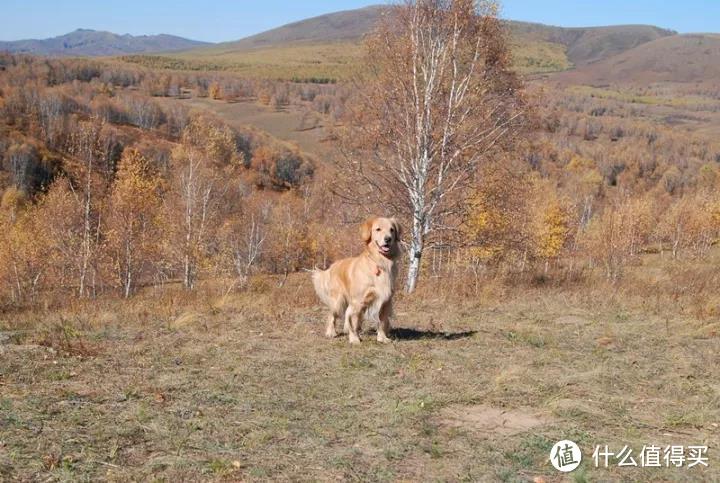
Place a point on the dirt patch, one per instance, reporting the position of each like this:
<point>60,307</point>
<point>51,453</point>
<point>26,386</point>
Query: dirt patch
<point>492,420</point>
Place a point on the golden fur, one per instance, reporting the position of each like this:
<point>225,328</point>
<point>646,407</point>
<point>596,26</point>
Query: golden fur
<point>361,287</point>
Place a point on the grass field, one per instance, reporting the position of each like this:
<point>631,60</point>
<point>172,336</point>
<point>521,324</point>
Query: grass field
<point>302,61</point>
<point>243,386</point>
<point>335,61</point>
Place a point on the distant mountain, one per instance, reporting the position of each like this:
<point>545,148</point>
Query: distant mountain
<point>84,42</point>
<point>331,27</point>
<point>678,58</point>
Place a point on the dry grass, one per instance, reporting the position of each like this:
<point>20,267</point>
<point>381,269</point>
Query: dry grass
<point>334,61</point>
<point>243,386</point>
<point>325,61</point>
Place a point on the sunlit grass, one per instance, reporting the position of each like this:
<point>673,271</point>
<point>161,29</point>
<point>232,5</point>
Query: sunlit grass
<point>329,61</point>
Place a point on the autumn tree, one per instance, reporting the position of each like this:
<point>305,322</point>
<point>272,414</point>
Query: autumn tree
<point>496,224</point>
<point>191,211</point>
<point>215,91</point>
<point>93,159</point>
<point>435,99</point>
<point>616,236</point>
<point>133,221</point>
<point>23,255</point>
<point>690,223</point>
<point>243,238</point>
<point>552,227</point>
<point>22,162</point>
<point>61,214</point>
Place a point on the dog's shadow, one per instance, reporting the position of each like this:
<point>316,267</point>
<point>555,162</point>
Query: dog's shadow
<point>402,333</point>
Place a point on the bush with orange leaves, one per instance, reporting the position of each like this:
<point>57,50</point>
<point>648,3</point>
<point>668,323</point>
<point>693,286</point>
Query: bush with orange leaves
<point>496,224</point>
<point>691,224</point>
<point>279,167</point>
<point>616,236</point>
<point>551,224</point>
<point>215,91</point>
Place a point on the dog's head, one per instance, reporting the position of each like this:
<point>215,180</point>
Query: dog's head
<point>382,235</point>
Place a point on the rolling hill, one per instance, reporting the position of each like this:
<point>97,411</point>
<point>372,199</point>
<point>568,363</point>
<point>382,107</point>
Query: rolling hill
<point>535,42</point>
<point>588,44</point>
<point>85,42</point>
<point>332,27</point>
<point>678,58</point>
<point>329,47</point>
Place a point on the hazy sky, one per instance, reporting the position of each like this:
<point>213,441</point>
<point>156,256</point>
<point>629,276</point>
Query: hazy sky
<point>222,20</point>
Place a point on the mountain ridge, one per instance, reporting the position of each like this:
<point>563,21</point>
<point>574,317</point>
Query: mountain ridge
<point>91,43</point>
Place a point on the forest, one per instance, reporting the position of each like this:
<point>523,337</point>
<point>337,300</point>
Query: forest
<point>110,185</point>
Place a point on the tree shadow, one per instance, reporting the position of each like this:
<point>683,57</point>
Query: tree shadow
<point>401,333</point>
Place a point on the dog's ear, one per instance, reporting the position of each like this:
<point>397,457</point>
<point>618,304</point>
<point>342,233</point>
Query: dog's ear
<point>398,228</point>
<point>366,230</point>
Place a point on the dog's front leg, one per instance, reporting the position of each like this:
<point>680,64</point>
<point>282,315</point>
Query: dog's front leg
<point>346,324</point>
<point>354,315</point>
<point>384,324</point>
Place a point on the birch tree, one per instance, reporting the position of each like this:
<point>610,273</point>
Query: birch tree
<point>87,146</point>
<point>191,208</point>
<point>436,97</point>
<point>133,221</point>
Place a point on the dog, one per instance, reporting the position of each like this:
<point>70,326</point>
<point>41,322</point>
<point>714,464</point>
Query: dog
<point>361,287</point>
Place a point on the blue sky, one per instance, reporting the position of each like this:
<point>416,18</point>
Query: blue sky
<point>222,20</point>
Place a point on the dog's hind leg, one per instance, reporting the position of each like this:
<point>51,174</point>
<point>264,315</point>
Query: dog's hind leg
<point>336,311</point>
<point>330,331</point>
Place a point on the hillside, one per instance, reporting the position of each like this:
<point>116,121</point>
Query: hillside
<point>588,44</point>
<point>678,58</point>
<point>538,48</point>
<point>332,27</point>
<point>84,42</point>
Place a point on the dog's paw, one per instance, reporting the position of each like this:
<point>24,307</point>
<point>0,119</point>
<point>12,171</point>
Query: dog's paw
<point>354,340</point>
<point>383,339</point>
<point>331,333</point>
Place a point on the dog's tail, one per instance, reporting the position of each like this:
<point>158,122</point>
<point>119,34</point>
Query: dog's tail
<point>321,282</point>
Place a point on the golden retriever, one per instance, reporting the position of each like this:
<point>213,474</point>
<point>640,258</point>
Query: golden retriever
<point>362,287</point>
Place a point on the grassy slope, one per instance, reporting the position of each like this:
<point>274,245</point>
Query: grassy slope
<point>680,58</point>
<point>335,60</point>
<point>328,47</point>
<point>245,387</point>
<point>539,49</point>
